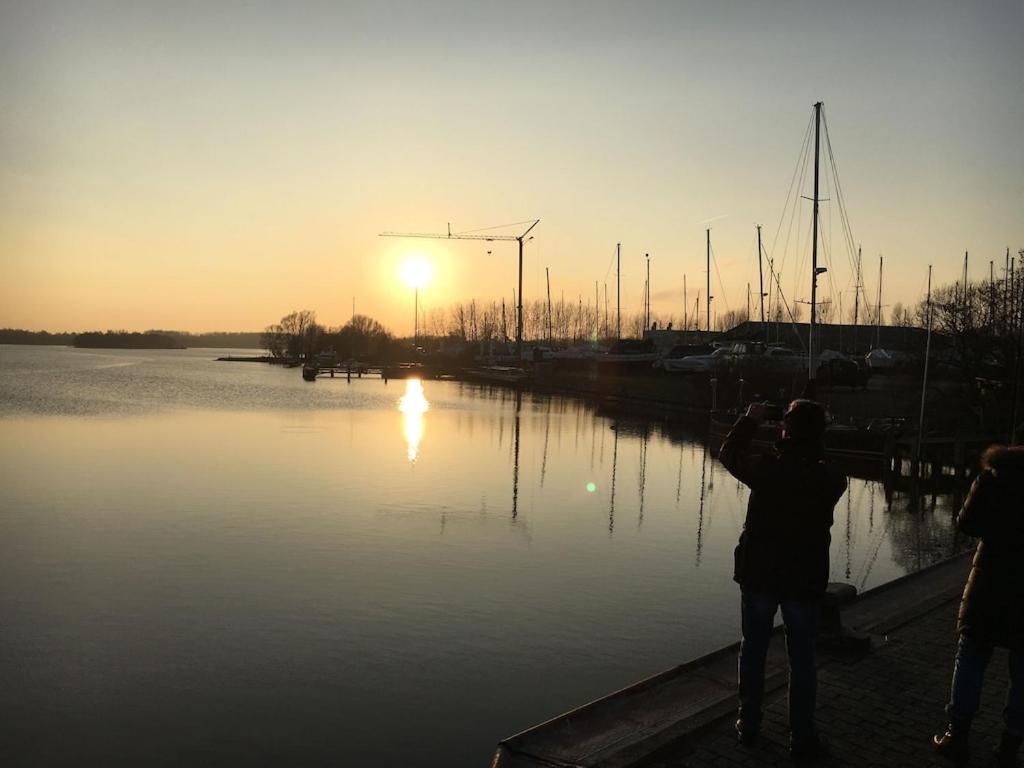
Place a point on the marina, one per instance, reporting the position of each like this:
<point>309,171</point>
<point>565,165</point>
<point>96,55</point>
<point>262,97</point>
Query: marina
<point>453,384</point>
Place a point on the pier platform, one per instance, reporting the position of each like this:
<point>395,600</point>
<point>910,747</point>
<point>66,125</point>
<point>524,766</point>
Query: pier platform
<point>876,707</point>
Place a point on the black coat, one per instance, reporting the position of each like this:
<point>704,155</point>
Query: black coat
<point>992,607</point>
<point>783,548</point>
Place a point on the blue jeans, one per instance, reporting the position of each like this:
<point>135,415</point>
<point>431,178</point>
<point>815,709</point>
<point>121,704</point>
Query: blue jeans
<point>801,620</point>
<point>972,656</point>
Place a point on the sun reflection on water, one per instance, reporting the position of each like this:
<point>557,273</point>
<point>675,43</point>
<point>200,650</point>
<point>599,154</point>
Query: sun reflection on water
<point>413,405</point>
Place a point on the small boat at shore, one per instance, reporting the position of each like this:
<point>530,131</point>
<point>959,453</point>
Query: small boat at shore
<point>629,356</point>
<point>630,351</point>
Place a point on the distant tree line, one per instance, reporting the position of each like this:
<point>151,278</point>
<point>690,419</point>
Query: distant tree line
<point>220,339</point>
<point>18,336</point>
<point>568,322</point>
<point>126,340</point>
<point>299,336</point>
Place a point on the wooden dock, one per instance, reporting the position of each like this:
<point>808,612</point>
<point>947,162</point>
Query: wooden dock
<point>358,371</point>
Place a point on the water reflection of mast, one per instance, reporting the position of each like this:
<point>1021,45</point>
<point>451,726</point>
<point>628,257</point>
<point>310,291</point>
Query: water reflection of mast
<point>871,510</point>
<point>515,461</point>
<point>918,501</point>
<point>849,512</point>
<point>875,546</point>
<point>700,511</point>
<point>643,476</point>
<point>615,462</point>
<point>593,444</point>
<point>576,447</point>
<point>547,432</point>
<point>679,474</point>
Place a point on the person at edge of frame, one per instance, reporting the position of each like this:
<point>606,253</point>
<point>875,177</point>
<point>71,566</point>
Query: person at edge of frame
<point>782,559</point>
<point>992,607</point>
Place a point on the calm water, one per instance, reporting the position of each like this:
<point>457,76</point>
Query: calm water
<point>219,563</point>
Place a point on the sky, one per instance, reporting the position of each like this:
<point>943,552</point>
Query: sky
<point>213,166</point>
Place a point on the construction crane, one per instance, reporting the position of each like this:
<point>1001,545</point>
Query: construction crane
<point>480,234</point>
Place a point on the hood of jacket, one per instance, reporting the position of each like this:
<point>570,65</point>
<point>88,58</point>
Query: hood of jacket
<point>1004,461</point>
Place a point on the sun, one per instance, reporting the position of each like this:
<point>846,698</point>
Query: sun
<point>416,272</point>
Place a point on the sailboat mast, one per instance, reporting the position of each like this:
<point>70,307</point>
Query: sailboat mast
<point>618,290</point>
<point>856,302</point>
<point>647,294</point>
<point>878,306</point>
<point>965,290</point>
<point>924,383</point>
<point>760,280</point>
<point>707,319</point>
<point>814,249</point>
<point>547,274</point>
<point>991,292</point>
<point>685,307</point>
<point>606,327</point>
<point>1006,291</point>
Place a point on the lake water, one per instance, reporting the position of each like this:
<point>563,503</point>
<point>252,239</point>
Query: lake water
<point>221,564</point>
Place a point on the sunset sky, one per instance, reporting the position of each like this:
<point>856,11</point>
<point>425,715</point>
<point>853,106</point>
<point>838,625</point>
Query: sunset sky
<point>215,165</point>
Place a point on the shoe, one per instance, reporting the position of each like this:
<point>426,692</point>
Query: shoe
<point>952,744</point>
<point>810,751</point>
<point>1006,752</point>
<point>746,733</point>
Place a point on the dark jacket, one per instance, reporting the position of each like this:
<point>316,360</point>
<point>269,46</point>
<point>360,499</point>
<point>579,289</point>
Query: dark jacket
<point>784,545</point>
<point>992,607</point>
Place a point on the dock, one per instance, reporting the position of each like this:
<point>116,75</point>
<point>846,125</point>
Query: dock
<point>877,705</point>
<point>359,370</point>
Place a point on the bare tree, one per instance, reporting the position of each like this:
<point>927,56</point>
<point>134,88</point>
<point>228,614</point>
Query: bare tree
<point>297,335</point>
<point>730,319</point>
<point>274,340</point>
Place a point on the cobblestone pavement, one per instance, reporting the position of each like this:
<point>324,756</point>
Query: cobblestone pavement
<point>878,709</point>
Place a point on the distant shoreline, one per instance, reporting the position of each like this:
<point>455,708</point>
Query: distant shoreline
<point>133,340</point>
<point>125,340</point>
<point>125,346</point>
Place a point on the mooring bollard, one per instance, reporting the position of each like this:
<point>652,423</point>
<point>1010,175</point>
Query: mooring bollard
<point>832,631</point>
